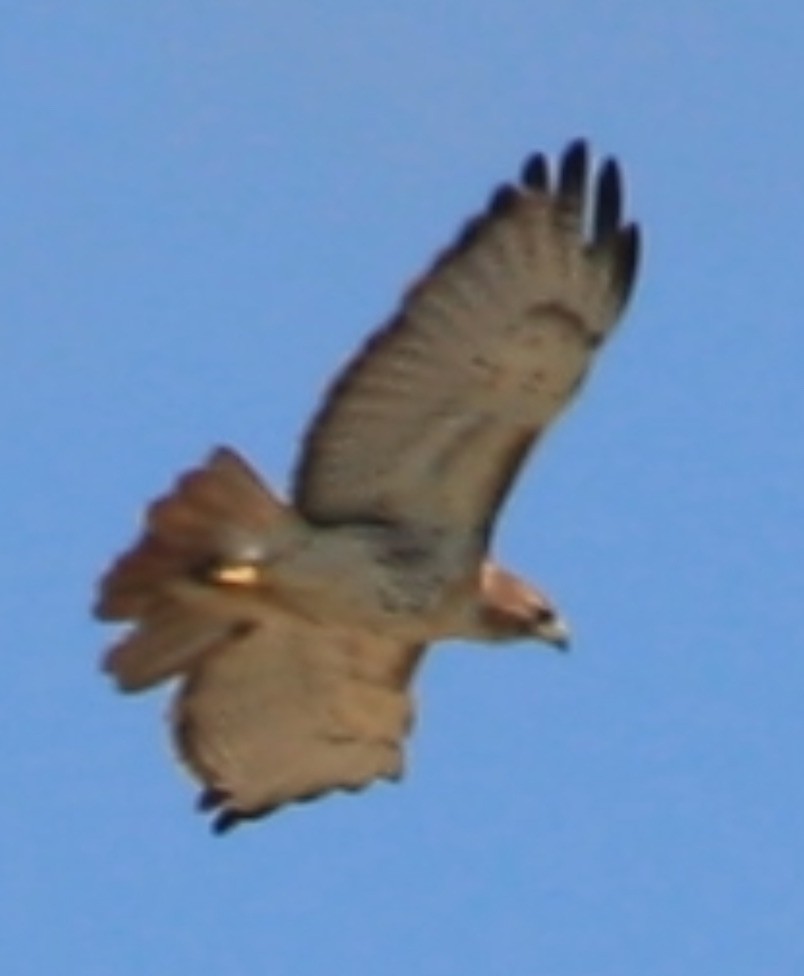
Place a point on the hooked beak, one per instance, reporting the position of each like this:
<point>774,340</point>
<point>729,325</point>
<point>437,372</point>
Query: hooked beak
<point>554,632</point>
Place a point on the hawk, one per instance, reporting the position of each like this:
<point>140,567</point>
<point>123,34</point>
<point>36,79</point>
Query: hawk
<point>294,628</point>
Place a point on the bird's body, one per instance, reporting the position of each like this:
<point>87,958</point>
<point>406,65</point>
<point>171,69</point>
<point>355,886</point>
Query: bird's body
<point>296,626</point>
<point>397,580</point>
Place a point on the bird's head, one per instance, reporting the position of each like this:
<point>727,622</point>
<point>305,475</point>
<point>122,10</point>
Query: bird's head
<point>510,608</point>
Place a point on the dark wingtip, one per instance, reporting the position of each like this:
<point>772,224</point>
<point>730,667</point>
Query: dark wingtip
<point>577,146</point>
<point>608,203</point>
<point>229,818</point>
<point>503,201</point>
<point>628,252</point>
<point>572,172</point>
<point>210,799</point>
<point>535,173</point>
<point>225,821</point>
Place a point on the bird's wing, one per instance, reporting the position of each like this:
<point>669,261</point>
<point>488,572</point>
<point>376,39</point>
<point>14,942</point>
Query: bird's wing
<point>272,707</point>
<point>287,711</point>
<point>433,418</point>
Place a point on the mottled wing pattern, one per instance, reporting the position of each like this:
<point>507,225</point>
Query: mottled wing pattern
<point>432,419</point>
<point>287,711</point>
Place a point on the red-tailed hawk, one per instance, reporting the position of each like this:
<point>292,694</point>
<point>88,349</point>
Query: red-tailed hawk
<point>294,629</point>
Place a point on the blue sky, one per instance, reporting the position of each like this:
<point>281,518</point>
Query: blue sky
<point>206,206</point>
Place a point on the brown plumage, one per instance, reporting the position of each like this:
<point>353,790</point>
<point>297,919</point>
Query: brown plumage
<point>295,628</point>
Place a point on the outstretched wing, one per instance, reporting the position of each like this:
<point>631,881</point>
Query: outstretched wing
<point>271,708</point>
<point>433,418</point>
<point>287,712</point>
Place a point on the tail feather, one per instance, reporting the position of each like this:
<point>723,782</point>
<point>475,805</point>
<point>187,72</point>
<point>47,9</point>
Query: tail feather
<point>217,512</point>
<point>172,635</point>
<point>224,492</point>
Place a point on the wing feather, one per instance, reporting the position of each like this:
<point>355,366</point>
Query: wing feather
<point>288,711</point>
<point>271,707</point>
<point>433,418</point>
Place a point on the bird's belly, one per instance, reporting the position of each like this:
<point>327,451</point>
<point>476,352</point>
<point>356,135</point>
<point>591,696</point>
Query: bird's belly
<point>381,579</point>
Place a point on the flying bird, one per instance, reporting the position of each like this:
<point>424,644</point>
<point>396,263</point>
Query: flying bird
<point>294,628</point>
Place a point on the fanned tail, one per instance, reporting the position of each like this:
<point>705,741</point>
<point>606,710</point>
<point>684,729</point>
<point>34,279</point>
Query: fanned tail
<point>217,514</point>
